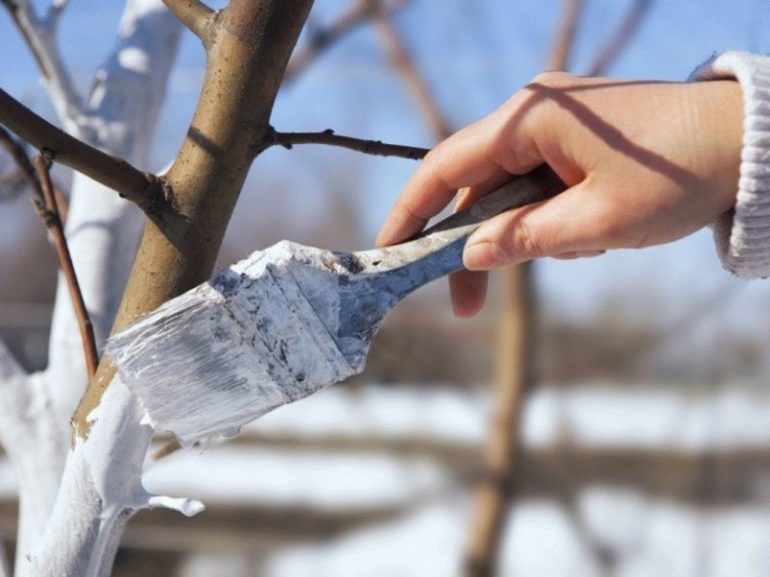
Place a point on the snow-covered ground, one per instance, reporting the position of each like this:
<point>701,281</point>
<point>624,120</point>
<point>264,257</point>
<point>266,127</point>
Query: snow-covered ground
<point>606,528</point>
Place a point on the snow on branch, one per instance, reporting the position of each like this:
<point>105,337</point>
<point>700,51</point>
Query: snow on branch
<point>144,189</point>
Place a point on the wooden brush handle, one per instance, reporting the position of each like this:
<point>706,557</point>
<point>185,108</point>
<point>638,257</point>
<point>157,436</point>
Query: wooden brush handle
<point>438,250</point>
<point>535,186</point>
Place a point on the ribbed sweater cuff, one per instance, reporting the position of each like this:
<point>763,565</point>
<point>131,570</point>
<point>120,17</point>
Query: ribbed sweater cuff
<point>742,235</point>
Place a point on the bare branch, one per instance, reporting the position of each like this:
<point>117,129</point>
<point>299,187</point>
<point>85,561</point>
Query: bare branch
<point>402,62</point>
<point>55,10</point>
<point>621,38</point>
<point>195,15</point>
<point>146,190</point>
<point>565,37</point>
<point>49,212</point>
<point>358,12</point>
<point>19,155</point>
<point>40,35</point>
<point>328,137</point>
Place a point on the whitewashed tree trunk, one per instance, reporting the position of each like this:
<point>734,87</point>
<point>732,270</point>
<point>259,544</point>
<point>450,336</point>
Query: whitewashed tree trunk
<point>70,523</point>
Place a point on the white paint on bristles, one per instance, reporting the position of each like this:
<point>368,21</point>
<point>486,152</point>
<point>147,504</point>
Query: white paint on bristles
<point>242,344</point>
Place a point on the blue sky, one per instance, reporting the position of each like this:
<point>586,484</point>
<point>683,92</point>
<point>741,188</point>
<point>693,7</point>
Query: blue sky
<point>474,54</point>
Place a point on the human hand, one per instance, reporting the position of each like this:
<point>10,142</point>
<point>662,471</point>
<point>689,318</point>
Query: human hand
<point>645,163</point>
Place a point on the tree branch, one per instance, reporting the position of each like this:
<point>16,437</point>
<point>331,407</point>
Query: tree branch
<point>328,137</point>
<point>41,35</point>
<point>565,37</point>
<point>146,190</point>
<point>49,212</point>
<point>195,16</point>
<point>55,10</point>
<point>358,12</point>
<point>402,62</point>
<point>620,39</point>
<point>19,155</point>
<point>251,44</point>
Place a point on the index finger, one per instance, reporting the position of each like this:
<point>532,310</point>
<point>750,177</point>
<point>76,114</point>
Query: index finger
<point>477,154</point>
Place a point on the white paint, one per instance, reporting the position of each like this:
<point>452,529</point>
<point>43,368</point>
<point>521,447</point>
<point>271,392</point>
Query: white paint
<point>65,520</point>
<point>256,340</point>
<point>100,490</point>
<point>134,59</point>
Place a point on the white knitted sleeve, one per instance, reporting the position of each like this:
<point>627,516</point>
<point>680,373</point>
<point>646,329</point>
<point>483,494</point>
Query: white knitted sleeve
<point>742,235</point>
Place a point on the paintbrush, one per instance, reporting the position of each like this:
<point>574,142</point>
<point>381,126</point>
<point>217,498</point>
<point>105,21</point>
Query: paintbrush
<point>286,321</point>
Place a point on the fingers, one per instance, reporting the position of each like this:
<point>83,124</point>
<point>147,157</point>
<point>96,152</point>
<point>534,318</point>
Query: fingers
<point>468,290</point>
<point>475,156</point>
<point>468,195</point>
<point>575,222</point>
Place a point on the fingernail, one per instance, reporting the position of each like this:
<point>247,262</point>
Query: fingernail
<point>483,256</point>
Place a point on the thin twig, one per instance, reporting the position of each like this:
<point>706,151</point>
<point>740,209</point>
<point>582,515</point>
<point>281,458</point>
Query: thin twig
<point>49,212</point>
<point>565,37</point>
<point>144,189</point>
<point>195,15</point>
<point>19,156</point>
<point>403,63</point>
<point>620,39</point>
<point>321,39</point>
<point>328,137</point>
<point>26,173</point>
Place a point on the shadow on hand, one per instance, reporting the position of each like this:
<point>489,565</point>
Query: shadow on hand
<point>610,134</point>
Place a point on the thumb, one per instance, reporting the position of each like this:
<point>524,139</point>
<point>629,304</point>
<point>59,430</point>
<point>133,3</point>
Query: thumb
<point>567,223</point>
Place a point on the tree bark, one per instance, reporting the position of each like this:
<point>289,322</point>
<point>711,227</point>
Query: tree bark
<point>514,375</point>
<point>249,47</point>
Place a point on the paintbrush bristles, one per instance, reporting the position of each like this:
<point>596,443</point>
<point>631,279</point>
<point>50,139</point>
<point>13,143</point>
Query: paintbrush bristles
<point>232,349</point>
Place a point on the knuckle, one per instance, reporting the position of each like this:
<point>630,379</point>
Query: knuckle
<point>522,242</point>
<point>552,79</point>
